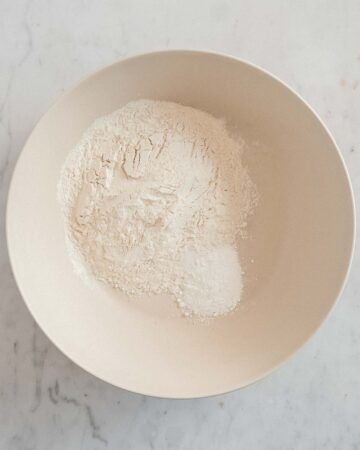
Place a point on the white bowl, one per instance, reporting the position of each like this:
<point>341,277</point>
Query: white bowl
<point>301,237</point>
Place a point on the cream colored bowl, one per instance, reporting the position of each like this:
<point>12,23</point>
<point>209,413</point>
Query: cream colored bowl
<point>296,257</point>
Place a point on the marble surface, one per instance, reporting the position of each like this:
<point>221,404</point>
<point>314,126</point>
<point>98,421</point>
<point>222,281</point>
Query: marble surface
<point>46,402</point>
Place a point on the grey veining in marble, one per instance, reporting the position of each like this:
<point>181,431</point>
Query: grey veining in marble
<point>46,402</point>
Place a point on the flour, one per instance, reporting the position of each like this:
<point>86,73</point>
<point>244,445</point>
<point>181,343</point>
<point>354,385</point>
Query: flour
<point>154,198</point>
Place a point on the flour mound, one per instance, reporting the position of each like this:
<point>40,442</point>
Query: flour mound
<point>154,198</point>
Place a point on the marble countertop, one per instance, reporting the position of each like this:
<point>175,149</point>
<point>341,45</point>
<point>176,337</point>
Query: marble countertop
<point>46,402</point>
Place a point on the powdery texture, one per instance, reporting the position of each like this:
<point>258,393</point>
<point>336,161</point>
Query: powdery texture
<point>154,197</point>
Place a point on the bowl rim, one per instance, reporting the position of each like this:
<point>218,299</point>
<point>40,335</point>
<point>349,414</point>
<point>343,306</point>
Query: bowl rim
<point>195,52</point>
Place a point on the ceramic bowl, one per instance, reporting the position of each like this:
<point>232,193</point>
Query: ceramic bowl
<point>295,258</point>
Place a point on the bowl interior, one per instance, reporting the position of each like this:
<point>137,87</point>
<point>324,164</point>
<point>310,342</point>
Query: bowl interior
<point>296,257</point>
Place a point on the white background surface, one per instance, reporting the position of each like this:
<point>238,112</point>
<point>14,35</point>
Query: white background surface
<point>46,402</point>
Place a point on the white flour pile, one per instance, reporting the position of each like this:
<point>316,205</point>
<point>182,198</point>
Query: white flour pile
<point>154,197</point>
